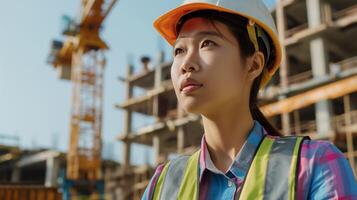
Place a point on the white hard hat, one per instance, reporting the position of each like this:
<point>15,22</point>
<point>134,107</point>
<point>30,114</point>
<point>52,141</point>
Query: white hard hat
<point>254,10</point>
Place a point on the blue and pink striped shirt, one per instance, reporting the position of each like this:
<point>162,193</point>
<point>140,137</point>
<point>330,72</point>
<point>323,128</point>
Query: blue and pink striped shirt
<point>323,171</point>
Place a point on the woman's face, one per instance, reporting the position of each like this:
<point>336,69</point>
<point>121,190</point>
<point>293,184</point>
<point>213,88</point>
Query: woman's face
<point>208,53</point>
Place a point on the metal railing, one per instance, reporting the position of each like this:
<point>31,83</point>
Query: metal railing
<point>310,127</point>
<point>300,77</point>
<point>339,123</point>
<point>20,192</point>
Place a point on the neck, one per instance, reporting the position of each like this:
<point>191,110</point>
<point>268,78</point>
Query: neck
<point>225,133</point>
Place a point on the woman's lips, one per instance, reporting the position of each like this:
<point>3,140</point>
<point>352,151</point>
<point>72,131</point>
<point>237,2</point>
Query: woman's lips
<point>190,88</point>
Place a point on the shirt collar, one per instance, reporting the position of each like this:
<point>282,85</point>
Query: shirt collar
<point>240,165</point>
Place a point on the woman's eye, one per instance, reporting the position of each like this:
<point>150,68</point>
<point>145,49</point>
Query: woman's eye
<point>178,51</point>
<point>207,43</point>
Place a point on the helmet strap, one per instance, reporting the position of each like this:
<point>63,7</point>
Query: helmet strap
<point>252,34</point>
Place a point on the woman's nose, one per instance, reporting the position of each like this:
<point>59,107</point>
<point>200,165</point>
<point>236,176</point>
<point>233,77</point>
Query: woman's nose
<point>187,68</point>
<point>189,65</point>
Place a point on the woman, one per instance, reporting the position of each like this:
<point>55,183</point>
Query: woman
<point>223,52</point>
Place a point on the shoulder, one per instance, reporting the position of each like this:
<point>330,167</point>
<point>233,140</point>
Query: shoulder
<point>149,191</point>
<point>324,171</point>
<point>318,146</point>
<point>319,153</point>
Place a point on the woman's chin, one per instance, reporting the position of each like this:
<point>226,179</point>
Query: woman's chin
<point>192,106</point>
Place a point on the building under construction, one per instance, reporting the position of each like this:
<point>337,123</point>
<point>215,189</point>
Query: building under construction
<point>35,174</point>
<point>314,92</point>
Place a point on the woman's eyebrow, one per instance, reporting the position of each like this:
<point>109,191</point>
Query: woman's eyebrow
<point>201,33</point>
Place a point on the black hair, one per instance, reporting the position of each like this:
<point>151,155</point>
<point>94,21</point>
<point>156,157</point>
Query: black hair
<point>237,25</point>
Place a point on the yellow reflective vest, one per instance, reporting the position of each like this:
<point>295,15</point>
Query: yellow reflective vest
<point>272,174</point>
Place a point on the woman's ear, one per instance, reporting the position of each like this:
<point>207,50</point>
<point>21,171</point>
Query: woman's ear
<point>255,65</point>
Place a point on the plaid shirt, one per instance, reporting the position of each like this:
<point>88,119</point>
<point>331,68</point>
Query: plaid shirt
<point>323,171</point>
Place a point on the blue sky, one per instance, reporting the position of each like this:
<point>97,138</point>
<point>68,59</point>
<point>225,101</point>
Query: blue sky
<point>34,103</point>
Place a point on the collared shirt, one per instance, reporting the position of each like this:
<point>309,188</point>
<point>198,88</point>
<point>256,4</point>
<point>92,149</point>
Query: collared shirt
<point>323,171</point>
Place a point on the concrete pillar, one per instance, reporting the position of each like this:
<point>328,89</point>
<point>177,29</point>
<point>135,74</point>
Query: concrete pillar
<point>283,72</point>
<point>157,83</point>
<point>128,119</point>
<point>319,63</point>
<point>161,57</point>
<point>160,156</point>
<point>349,135</point>
<point>52,170</point>
<point>15,175</point>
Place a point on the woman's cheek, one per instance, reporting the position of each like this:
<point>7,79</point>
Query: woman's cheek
<point>175,77</point>
<point>211,58</point>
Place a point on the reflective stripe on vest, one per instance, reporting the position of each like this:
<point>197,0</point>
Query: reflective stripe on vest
<point>272,174</point>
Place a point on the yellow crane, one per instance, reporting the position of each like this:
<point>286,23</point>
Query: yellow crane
<point>80,59</point>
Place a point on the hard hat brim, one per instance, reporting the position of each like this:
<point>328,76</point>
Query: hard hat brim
<point>166,26</point>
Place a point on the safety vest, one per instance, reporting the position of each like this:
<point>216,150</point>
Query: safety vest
<point>272,174</point>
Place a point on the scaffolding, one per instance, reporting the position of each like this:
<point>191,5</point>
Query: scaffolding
<point>314,92</point>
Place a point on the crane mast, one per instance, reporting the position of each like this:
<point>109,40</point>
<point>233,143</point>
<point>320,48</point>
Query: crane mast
<point>80,59</point>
